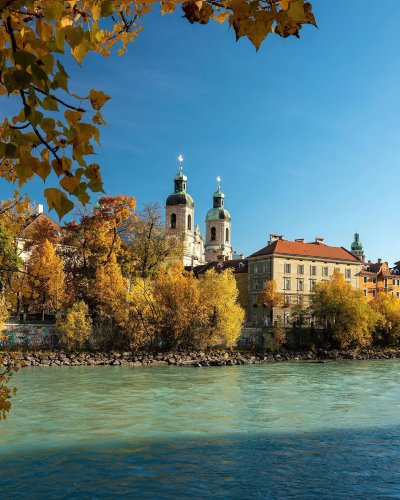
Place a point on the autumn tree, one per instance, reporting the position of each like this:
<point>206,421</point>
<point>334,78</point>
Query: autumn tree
<point>270,298</point>
<point>45,284</point>
<point>178,309</point>
<point>55,131</point>
<point>94,239</point>
<point>219,297</point>
<point>342,312</point>
<point>387,328</point>
<point>76,327</point>
<point>109,299</point>
<point>9,260</point>
<point>147,245</point>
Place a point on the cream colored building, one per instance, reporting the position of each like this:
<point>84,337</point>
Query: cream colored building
<point>296,267</point>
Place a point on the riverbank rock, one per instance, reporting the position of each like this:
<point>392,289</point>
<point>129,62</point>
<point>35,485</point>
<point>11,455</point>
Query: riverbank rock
<point>196,359</point>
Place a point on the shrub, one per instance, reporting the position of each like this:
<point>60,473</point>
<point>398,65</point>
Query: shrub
<point>76,327</point>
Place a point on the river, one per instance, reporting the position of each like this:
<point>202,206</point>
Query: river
<point>285,430</point>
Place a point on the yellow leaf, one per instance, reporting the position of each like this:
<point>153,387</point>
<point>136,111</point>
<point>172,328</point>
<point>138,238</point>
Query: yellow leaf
<point>58,201</point>
<point>69,183</point>
<point>98,98</point>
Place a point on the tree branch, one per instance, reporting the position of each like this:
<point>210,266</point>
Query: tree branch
<point>70,106</point>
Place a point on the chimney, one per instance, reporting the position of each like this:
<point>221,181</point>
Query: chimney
<point>39,209</point>
<point>369,262</point>
<point>274,237</point>
<point>299,240</point>
<point>318,239</point>
<point>379,261</point>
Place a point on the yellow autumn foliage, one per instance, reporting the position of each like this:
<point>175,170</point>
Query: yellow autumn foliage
<point>76,327</point>
<point>343,312</point>
<point>44,286</point>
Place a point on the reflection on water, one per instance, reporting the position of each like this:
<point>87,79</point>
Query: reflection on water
<point>275,431</point>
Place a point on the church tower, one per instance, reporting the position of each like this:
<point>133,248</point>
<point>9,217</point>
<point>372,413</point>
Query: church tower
<point>218,229</point>
<point>179,220</point>
<point>357,248</point>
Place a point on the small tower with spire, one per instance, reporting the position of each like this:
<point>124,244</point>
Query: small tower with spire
<point>179,218</point>
<point>218,229</point>
<point>357,248</point>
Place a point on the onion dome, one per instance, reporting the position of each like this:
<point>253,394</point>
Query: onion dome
<point>218,212</point>
<point>356,246</point>
<point>180,196</point>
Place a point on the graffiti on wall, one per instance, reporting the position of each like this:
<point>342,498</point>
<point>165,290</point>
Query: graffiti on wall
<point>28,335</point>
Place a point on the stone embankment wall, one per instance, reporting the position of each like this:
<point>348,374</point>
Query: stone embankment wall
<point>196,359</point>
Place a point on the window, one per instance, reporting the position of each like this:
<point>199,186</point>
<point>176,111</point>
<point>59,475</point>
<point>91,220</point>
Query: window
<point>313,270</point>
<point>398,282</point>
<point>373,293</point>
<point>300,269</point>
<point>386,283</point>
<point>373,280</point>
<point>300,285</point>
<point>287,284</point>
<point>189,222</point>
<point>312,284</point>
<point>348,273</point>
<point>325,271</point>
<point>226,235</point>
<point>365,279</point>
<point>265,268</point>
<point>300,299</point>
<point>213,234</point>
<point>173,221</point>
<point>288,268</point>
<point>365,293</point>
<point>256,284</point>
<point>393,282</point>
<point>398,295</point>
<point>255,269</point>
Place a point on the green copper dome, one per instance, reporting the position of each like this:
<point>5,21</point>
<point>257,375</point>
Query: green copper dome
<point>218,214</point>
<point>180,196</point>
<point>180,199</point>
<point>356,246</point>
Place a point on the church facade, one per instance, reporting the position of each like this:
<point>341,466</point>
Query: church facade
<point>180,223</point>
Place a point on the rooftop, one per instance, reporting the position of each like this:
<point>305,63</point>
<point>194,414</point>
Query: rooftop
<point>298,248</point>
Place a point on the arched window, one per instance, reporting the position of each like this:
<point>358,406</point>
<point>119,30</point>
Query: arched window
<point>173,221</point>
<point>213,234</point>
<point>189,222</point>
<point>227,235</point>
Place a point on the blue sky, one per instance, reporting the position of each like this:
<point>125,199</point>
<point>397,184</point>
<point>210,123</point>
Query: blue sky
<point>305,133</point>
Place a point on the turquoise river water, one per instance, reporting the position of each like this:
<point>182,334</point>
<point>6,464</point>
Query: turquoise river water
<point>263,431</point>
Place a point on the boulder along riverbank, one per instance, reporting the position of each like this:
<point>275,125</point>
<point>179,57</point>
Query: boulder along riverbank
<point>192,358</point>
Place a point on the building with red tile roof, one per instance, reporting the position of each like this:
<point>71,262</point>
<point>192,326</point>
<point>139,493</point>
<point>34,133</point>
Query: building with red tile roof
<point>296,266</point>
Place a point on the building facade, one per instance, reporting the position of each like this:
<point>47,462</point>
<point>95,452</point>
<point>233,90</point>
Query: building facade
<point>377,277</point>
<point>296,267</point>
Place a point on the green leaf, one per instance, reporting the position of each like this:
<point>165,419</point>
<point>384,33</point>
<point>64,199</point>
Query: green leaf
<point>58,201</point>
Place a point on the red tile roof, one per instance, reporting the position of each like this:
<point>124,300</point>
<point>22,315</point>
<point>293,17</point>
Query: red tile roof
<point>238,266</point>
<point>296,248</point>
